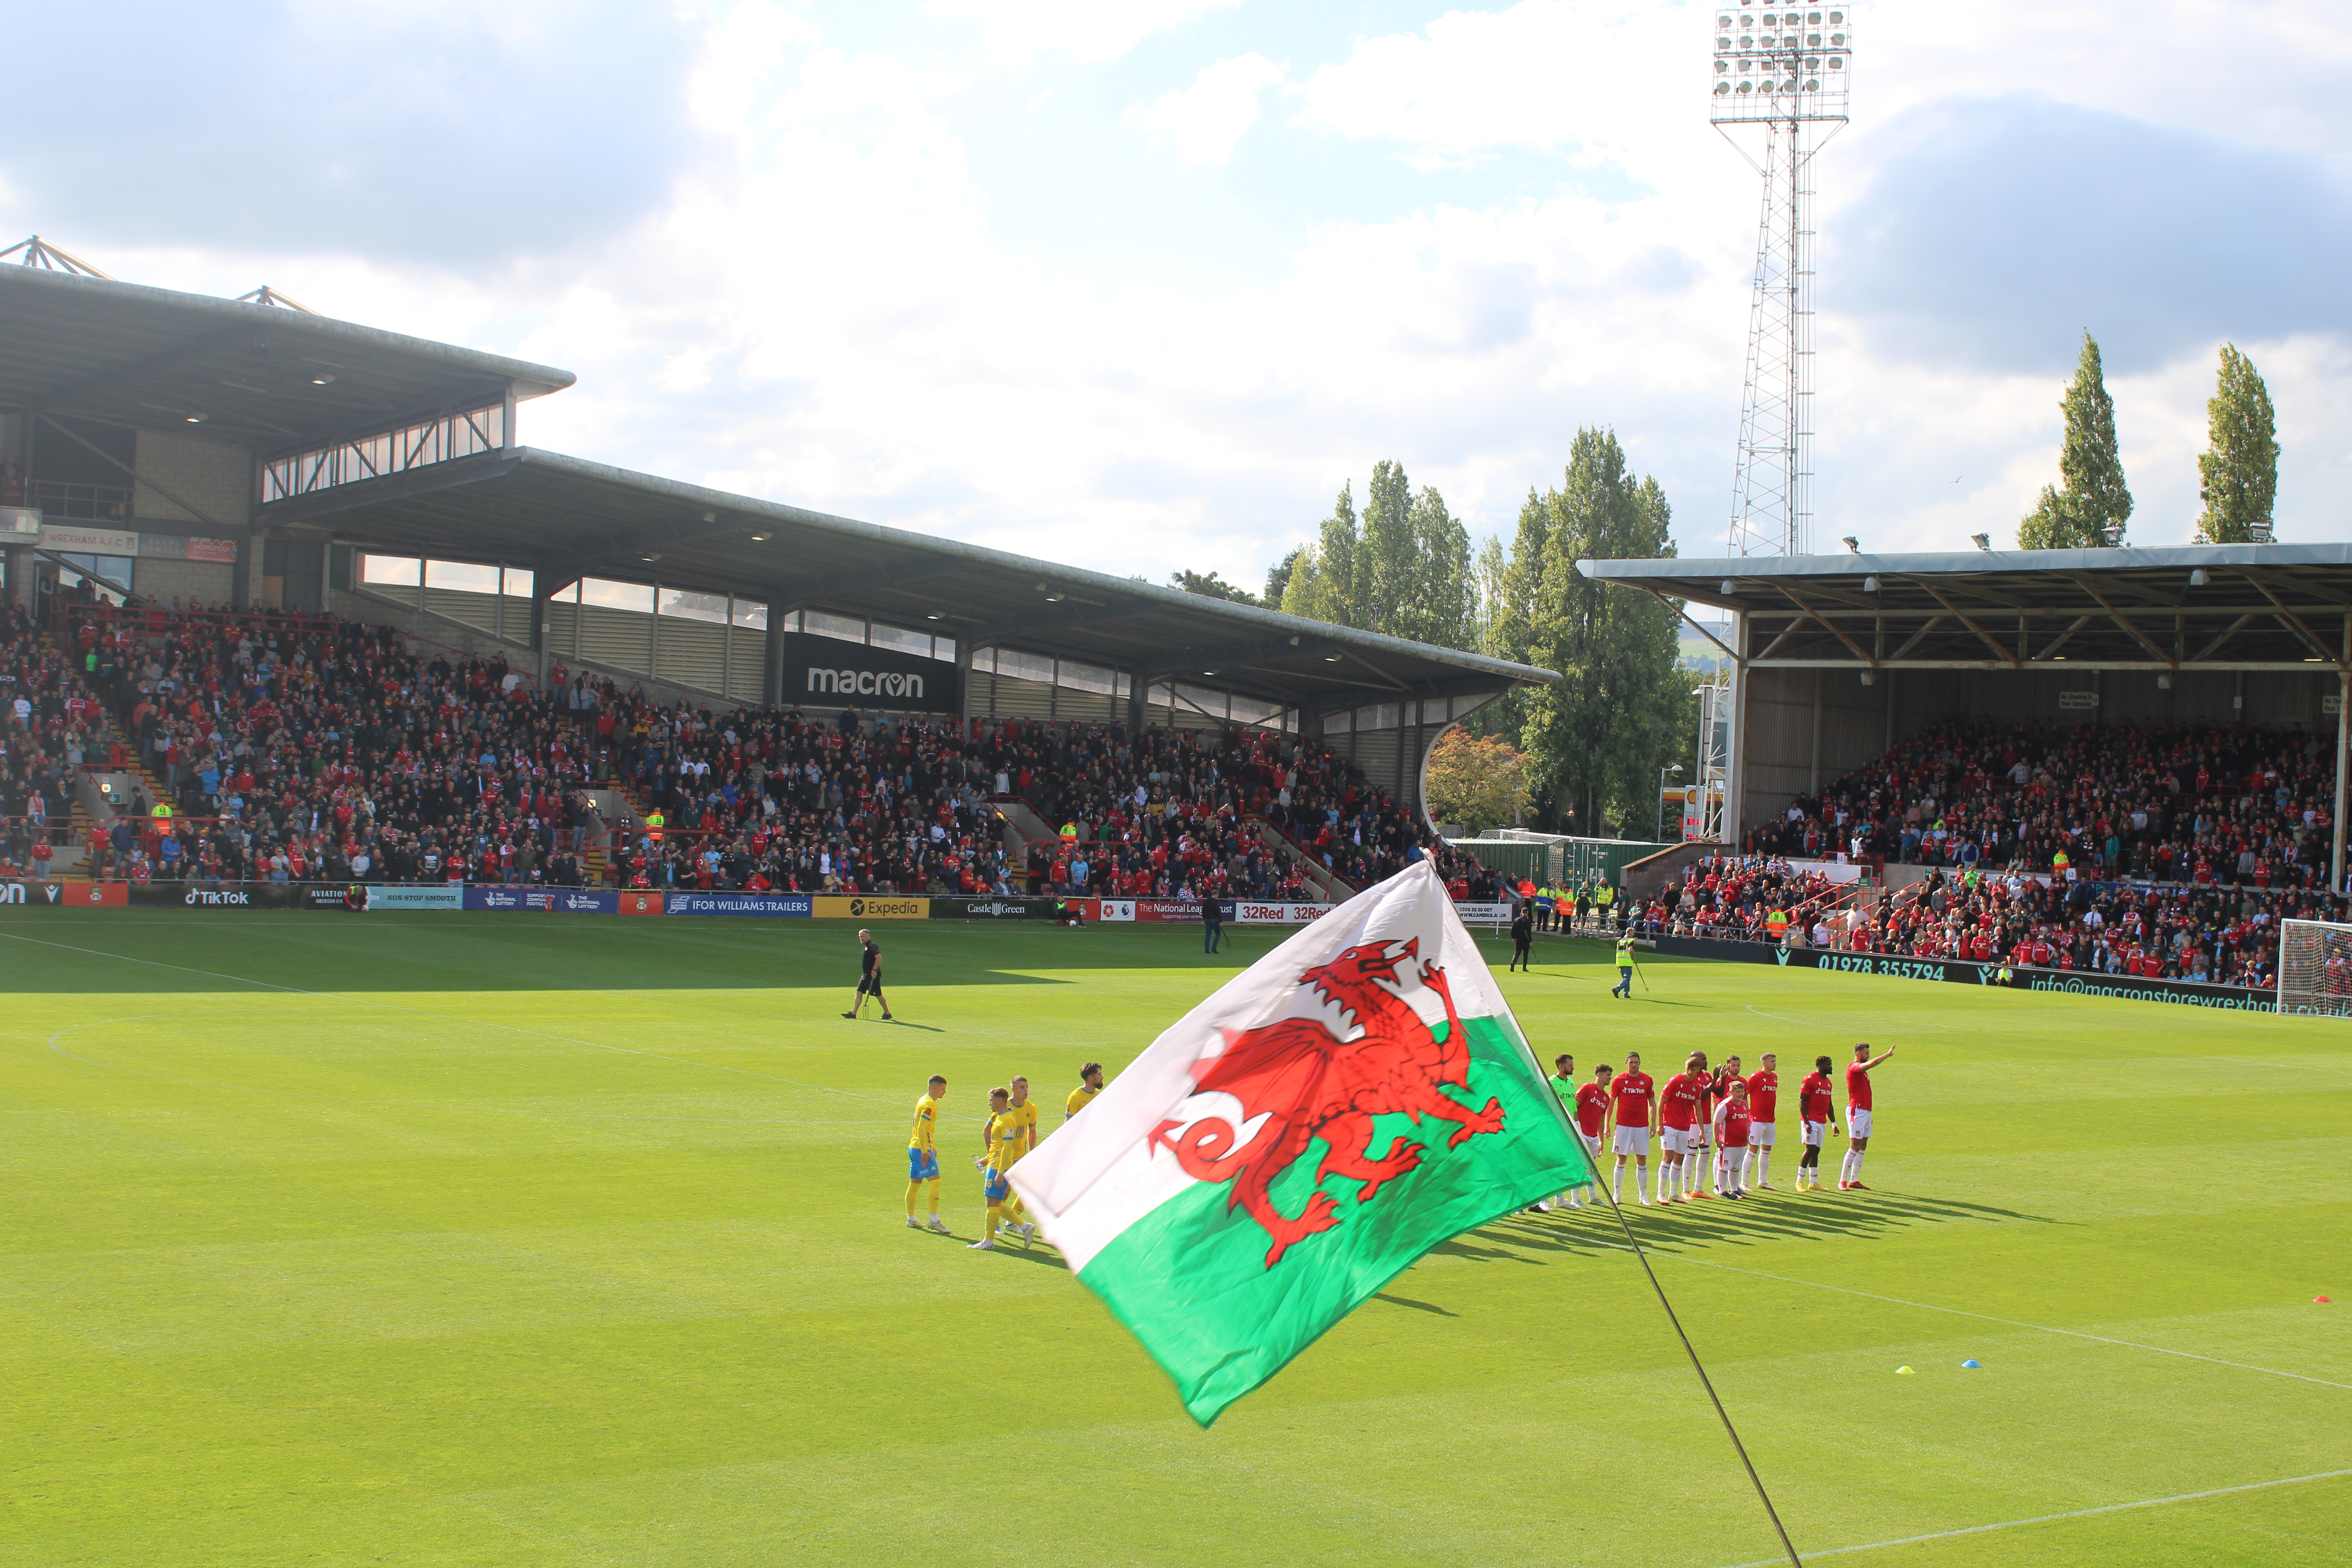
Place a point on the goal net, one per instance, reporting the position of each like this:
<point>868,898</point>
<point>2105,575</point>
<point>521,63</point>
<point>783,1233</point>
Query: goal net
<point>2314,971</point>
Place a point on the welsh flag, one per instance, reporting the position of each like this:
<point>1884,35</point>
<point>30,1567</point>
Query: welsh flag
<point>1356,1097</point>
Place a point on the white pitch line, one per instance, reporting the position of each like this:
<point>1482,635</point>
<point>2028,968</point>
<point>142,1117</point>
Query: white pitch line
<point>2050,1518</point>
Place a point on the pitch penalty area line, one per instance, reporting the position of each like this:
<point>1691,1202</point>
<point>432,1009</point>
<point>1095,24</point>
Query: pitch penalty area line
<point>2054,1518</point>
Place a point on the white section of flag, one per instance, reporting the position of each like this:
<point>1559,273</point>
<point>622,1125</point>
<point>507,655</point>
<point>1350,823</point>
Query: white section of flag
<point>1098,1173</point>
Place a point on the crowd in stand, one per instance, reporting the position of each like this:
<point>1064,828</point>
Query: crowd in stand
<point>2204,804</point>
<point>45,721</point>
<point>296,748</point>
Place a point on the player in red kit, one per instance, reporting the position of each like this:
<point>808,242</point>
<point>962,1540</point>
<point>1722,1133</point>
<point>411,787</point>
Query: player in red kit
<point>1633,1100</point>
<point>1857,1115</point>
<point>1732,1122</point>
<point>1678,1113</point>
<point>1817,1113</point>
<point>1763,1099</point>
<point>1710,1148</point>
<point>1591,1118</point>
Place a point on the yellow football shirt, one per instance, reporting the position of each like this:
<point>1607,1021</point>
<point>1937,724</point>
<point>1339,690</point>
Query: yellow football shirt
<point>1080,1097</point>
<point>1005,1141</point>
<point>927,1113</point>
<point>1026,1118</point>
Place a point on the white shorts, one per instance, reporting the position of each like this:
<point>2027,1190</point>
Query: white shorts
<point>1631,1140</point>
<point>1591,1140</point>
<point>1675,1140</point>
<point>1857,1123</point>
<point>1702,1135</point>
<point>1759,1135</point>
<point>1810,1131</point>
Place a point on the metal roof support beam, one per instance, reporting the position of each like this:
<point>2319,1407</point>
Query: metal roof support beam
<point>1683,612</point>
<point>2291,619</point>
<point>1916,638</point>
<point>1773,646</point>
<point>395,487</point>
<point>2117,617</point>
<point>1853,647</point>
<point>1982,635</point>
<point>2215,645</point>
<point>2060,640</point>
<point>2249,666</point>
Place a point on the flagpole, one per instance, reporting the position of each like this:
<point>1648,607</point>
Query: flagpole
<point>1618,1209</point>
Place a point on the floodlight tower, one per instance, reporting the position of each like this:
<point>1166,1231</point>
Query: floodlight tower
<point>1784,72</point>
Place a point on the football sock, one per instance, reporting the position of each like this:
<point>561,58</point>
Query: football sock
<point>935,1196</point>
<point>1763,1160</point>
<point>1671,1175</point>
<point>913,1188</point>
<point>995,1219</point>
<point>1845,1168</point>
<point>1856,1158</point>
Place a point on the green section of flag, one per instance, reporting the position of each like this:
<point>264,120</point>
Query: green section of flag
<point>1191,1281</point>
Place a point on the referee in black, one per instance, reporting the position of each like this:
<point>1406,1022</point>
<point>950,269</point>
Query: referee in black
<point>1523,935</point>
<point>869,977</point>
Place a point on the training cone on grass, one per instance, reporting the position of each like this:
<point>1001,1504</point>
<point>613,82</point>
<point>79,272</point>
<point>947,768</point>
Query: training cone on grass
<point>1904,1371</point>
<point>1971,1366</point>
<point>2319,1301</point>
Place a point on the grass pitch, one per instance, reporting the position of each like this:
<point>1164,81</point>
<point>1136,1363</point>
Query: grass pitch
<point>433,1240</point>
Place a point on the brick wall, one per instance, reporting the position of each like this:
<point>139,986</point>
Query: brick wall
<point>205,581</point>
<point>214,477</point>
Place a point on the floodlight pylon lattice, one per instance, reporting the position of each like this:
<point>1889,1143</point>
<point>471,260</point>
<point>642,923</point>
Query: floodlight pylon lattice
<point>1785,73</point>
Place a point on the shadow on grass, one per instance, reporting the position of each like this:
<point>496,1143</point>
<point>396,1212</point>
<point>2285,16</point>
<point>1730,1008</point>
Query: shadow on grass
<point>1710,1224</point>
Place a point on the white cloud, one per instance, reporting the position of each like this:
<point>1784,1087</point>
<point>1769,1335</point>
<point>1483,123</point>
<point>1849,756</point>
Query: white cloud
<point>1202,123</point>
<point>1091,32</point>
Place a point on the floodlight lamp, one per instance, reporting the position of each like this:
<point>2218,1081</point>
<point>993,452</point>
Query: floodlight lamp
<point>1870,678</point>
<point>1853,544</point>
<point>2163,683</point>
<point>650,557</point>
<point>1729,586</point>
<point>2198,579</point>
<point>1675,769</point>
<point>1812,84</point>
<point>194,416</point>
<point>759,538</point>
<point>322,379</point>
<point>1981,541</point>
<point>1870,584</point>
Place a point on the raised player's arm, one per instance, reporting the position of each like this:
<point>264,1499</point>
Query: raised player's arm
<point>1878,1058</point>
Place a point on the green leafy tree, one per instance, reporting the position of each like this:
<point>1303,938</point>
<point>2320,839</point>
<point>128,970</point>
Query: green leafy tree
<point>2238,475</point>
<point>1277,578</point>
<point>2092,503</point>
<point>1596,740</point>
<point>1404,568</point>
<point>1476,781</point>
<point>1209,586</point>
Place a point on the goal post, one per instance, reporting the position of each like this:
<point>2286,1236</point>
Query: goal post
<point>2314,968</point>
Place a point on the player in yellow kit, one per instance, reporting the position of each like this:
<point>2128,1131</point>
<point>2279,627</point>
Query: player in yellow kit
<point>1089,1085</point>
<point>1006,1142</point>
<point>923,1155</point>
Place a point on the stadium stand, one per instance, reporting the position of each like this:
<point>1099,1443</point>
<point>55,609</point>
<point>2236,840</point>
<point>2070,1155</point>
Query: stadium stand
<point>292,747</point>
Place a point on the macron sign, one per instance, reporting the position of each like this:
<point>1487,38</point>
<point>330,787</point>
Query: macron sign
<point>821,671</point>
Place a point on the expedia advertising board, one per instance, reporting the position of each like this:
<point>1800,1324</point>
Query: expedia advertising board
<point>828,673</point>
<point>872,907</point>
<point>791,906</point>
<point>1967,972</point>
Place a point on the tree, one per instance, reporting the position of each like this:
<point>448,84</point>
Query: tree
<point>1595,741</point>
<point>2092,503</point>
<point>1476,781</point>
<point>1404,569</point>
<point>1209,586</point>
<point>2238,475</point>
<point>1277,578</point>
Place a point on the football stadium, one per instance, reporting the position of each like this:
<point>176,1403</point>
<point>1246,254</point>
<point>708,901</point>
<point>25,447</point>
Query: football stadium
<point>481,927</point>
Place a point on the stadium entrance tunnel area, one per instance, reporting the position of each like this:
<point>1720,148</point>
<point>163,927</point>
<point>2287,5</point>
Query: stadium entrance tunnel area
<point>534,1241</point>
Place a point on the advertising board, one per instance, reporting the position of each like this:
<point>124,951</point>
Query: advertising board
<point>870,907</point>
<point>1968,971</point>
<point>636,902</point>
<point>995,909</point>
<point>429,896</point>
<point>35,894</point>
<point>795,906</point>
<point>821,672</point>
<point>522,900</point>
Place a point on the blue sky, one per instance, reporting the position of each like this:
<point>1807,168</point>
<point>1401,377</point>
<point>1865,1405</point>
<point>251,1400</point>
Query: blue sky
<point>1139,284</point>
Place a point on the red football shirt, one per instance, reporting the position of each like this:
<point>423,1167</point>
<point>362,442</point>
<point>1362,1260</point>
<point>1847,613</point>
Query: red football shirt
<point>1731,1125</point>
<point>1813,1102</point>
<point>1857,1086</point>
<point>1679,1108</point>
<point>1592,1107</point>
<point>1632,1093</point>
<point>1763,1094</point>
